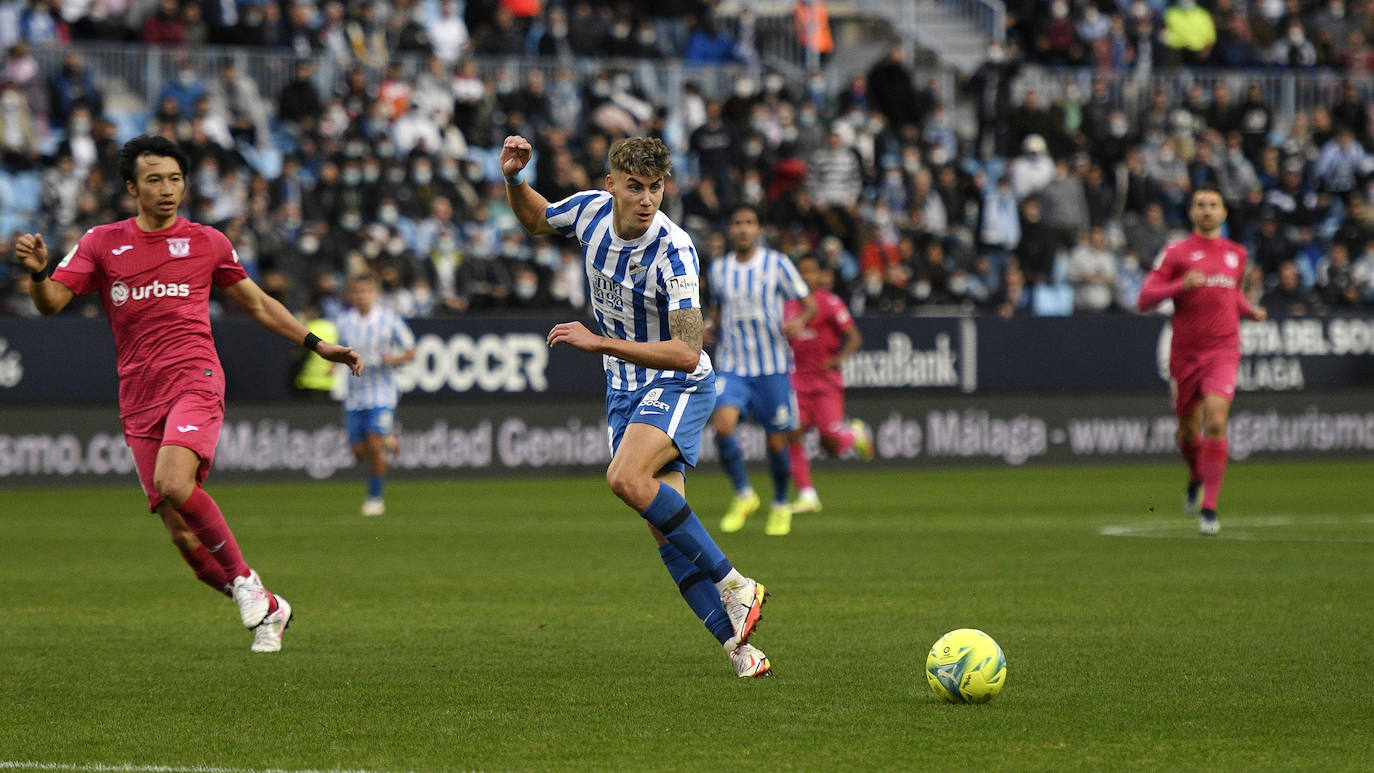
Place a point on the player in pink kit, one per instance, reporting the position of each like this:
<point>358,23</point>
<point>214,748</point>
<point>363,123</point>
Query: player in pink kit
<point>1202,275</point>
<point>818,351</point>
<point>154,273</point>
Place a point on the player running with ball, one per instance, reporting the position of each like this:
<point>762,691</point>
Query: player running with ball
<point>154,272</point>
<point>644,279</point>
<point>1202,273</point>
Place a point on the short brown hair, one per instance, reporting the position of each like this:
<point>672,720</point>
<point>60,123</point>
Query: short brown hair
<point>641,157</point>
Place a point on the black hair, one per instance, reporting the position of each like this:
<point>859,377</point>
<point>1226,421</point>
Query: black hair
<point>150,145</point>
<point>746,207</point>
<point>1206,187</point>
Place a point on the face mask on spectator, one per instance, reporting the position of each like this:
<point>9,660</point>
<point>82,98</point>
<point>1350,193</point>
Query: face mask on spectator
<point>351,222</point>
<point>423,175</point>
<point>388,214</point>
<point>396,175</point>
<point>352,177</point>
<point>474,173</point>
<point>396,245</point>
<point>309,244</point>
<point>80,126</point>
<point>371,250</point>
<point>449,172</point>
<point>525,288</point>
<point>186,77</point>
<point>372,174</point>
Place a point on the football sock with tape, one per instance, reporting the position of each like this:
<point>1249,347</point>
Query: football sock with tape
<point>732,458</point>
<point>699,593</point>
<point>207,523</point>
<point>801,466</point>
<point>671,515</point>
<point>207,569</point>
<point>1212,465</point>
<point>780,470</point>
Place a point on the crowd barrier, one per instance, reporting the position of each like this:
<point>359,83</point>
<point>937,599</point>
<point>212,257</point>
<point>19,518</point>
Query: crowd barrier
<point>69,360</point>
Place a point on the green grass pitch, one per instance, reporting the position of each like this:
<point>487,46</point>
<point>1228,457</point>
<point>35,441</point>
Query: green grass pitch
<point>527,624</point>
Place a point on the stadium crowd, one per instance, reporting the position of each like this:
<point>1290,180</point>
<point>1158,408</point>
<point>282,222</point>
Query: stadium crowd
<point>1048,208</point>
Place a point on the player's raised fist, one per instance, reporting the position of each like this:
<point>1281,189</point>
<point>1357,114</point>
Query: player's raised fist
<point>515,153</point>
<point>31,252</point>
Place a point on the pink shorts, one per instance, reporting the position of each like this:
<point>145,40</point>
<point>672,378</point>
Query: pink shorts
<point>192,420</point>
<point>1191,380</point>
<point>822,409</point>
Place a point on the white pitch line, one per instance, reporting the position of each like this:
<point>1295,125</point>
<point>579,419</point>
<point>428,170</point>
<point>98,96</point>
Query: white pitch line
<point>1180,528</point>
<point>97,767</point>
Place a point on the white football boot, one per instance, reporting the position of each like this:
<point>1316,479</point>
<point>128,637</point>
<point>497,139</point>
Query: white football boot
<point>749,661</point>
<point>267,636</point>
<point>251,598</point>
<point>373,506</point>
<point>744,604</point>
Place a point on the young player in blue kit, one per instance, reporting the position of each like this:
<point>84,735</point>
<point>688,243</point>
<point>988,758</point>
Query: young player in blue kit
<point>643,276</point>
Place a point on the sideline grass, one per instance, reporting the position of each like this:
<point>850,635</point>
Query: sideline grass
<point>527,624</point>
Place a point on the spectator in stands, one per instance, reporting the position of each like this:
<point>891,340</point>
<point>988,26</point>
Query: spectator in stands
<point>1091,269</point>
<point>1335,281</point>
<point>1287,297</point>
<point>448,34</point>
<point>1038,247</point>
<point>18,130</point>
<point>811,20</point>
<point>833,172</point>
<point>1189,32</point>
<point>165,26</point>
<point>1343,162</point>
<point>1031,171</point>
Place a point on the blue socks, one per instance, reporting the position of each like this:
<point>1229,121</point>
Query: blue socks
<point>733,458</point>
<point>699,594</point>
<point>374,486</point>
<point>780,468</point>
<point>670,514</point>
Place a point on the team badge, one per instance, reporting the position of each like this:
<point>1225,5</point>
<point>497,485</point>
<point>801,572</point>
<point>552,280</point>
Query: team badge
<point>1199,255</point>
<point>1232,260</point>
<point>179,248</point>
<point>119,293</point>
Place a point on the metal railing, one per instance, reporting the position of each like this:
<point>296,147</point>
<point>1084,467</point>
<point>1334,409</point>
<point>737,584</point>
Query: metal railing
<point>1287,93</point>
<point>138,73</point>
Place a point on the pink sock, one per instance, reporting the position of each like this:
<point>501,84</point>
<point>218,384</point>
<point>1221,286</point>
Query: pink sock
<point>1190,449</point>
<point>1212,465</point>
<point>801,466</point>
<point>207,569</point>
<point>205,519</point>
<point>845,439</point>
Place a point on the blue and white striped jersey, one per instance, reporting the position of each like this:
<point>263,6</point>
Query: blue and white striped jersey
<point>382,331</point>
<point>751,295</point>
<point>632,284</point>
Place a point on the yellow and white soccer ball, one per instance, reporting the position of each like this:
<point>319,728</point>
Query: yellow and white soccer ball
<point>966,666</point>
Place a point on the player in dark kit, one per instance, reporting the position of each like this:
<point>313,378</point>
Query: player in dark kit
<point>1202,275</point>
<point>154,272</point>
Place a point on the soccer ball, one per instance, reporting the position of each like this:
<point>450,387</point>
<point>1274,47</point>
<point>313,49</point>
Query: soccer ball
<point>966,666</point>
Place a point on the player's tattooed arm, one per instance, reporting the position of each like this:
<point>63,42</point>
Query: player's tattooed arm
<point>685,325</point>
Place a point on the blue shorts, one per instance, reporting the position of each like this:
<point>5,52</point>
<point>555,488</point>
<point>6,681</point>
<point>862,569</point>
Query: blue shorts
<point>769,400</point>
<point>368,421</point>
<point>679,408</point>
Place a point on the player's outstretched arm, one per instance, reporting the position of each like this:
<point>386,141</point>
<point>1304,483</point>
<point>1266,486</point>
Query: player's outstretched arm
<point>681,352</point>
<point>525,202</point>
<point>269,313</point>
<point>49,297</point>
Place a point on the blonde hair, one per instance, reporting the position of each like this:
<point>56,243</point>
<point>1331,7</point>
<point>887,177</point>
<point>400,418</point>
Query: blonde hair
<point>641,157</point>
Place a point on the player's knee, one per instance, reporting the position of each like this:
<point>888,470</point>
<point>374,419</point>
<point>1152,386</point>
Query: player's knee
<point>175,490</point>
<point>631,488</point>
<point>1214,430</point>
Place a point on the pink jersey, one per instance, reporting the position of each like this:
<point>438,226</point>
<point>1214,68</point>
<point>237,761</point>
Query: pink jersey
<point>820,340</point>
<point>1206,319</point>
<point>155,286</point>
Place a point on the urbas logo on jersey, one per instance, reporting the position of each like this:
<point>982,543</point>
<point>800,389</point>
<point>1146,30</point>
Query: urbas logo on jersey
<point>121,293</point>
<point>1220,280</point>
